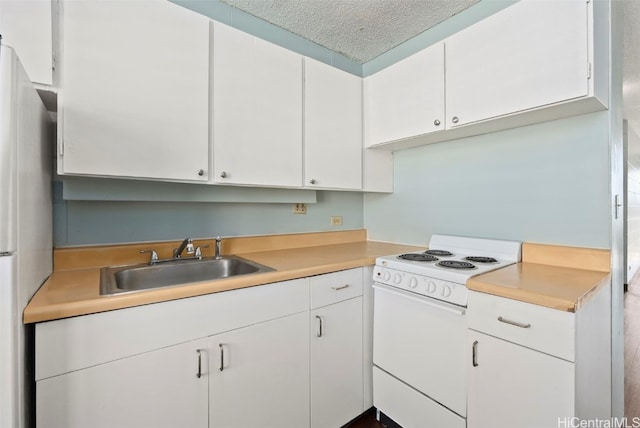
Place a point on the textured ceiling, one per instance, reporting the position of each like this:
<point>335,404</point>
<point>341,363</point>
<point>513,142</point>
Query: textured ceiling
<point>359,29</point>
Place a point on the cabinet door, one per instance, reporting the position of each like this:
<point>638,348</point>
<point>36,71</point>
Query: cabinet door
<point>156,389</point>
<point>406,99</point>
<point>134,90</point>
<point>529,55</point>
<point>260,375</point>
<point>336,364</point>
<point>26,27</point>
<point>257,110</point>
<point>513,386</point>
<point>332,127</point>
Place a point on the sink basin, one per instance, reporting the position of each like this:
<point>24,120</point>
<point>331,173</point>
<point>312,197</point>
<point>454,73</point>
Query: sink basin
<point>125,279</point>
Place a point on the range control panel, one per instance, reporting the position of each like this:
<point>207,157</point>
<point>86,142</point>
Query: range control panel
<point>431,287</point>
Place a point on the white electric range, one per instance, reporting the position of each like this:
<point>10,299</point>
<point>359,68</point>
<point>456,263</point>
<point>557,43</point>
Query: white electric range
<point>420,350</point>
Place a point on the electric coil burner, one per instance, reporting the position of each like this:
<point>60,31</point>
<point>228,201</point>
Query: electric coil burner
<point>421,257</point>
<point>456,264</point>
<point>479,259</point>
<point>438,253</point>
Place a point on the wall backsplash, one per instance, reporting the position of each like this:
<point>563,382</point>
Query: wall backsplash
<point>106,222</point>
<point>544,183</point>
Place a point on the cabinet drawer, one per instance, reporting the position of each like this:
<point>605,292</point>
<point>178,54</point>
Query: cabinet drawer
<point>547,330</point>
<point>335,287</point>
<point>407,406</point>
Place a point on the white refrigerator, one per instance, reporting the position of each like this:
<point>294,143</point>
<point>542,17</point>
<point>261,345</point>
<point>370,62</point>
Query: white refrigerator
<point>25,226</point>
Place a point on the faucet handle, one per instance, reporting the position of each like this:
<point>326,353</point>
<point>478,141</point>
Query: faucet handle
<point>198,252</point>
<point>189,248</point>
<point>154,255</point>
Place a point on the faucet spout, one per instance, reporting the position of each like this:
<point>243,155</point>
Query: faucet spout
<point>187,245</point>
<point>218,249</point>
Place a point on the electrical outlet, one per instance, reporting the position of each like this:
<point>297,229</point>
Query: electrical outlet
<point>336,220</point>
<point>299,208</point>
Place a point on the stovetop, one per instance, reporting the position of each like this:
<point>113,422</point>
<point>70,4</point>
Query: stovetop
<point>442,271</point>
<point>457,267</point>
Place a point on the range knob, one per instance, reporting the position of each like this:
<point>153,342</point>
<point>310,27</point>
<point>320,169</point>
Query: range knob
<point>431,287</point>
<point>397,279</point>
<point>413,282</point>
<point>386,276</point>
<point>446,291</point>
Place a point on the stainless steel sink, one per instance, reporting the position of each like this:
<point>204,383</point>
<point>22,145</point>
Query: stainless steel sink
<point>125,279</point>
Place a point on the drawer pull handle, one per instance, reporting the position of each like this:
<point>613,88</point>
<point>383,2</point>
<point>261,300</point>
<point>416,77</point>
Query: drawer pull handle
<point>319,331</point>
<point>340,288</point>
<point>199,374</point>
<point>517,324</point>
<point>474,356</point>
<point>221,356</point>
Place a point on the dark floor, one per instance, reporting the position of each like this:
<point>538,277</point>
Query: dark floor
<point>367,420</point>
<point>632,350</point>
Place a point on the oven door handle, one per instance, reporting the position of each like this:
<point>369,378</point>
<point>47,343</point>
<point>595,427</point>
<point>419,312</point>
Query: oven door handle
<point>417,298</point>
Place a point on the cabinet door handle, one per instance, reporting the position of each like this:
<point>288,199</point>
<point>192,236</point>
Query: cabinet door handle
<point>221,356</point>
<point>199,374</point>
<point>342,287</point>
<point>474,355</point>
<point>516,323</point>
<point>319,330</point>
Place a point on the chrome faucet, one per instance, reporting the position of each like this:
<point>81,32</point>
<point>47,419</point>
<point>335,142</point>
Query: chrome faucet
<point>187,245</point>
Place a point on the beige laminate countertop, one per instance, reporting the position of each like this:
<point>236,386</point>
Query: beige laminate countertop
<point>75,292</point>
<point>556,277</point>
<point>553,276</point>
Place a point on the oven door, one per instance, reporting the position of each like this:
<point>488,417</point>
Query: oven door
<point>421,342</point>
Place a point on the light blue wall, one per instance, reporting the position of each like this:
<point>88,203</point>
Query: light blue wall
<point>106,222</point>
<point>544,183</point>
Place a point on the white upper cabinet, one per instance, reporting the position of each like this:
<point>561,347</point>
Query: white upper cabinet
<point>134,90</point>
<point>529,55</point>
<point>26,27</point>
<point>407,98</point>
<point>531,62</point>
<point>332,127</point>
<point>257,111</point>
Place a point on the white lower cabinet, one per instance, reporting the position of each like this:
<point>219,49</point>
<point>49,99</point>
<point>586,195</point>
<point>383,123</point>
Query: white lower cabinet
<point>336,348</point>
<point>259,375</point>
<point>240,358</point>
<point>336,364</point>
<point>531,366</point>
<point>156,389</point>
<point>513,386</point>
